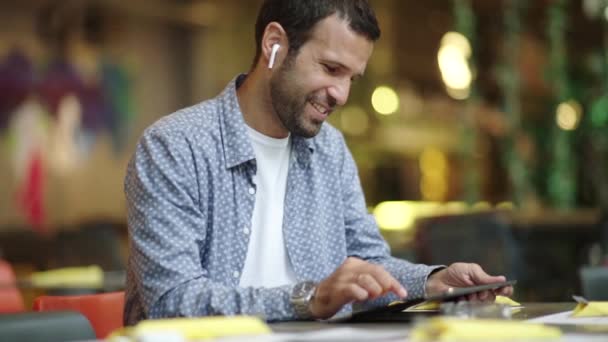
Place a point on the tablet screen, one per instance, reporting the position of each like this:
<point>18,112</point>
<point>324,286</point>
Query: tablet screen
<point>442,297</point>
<point>463,291</point>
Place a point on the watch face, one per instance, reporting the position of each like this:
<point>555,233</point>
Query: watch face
<point>301,296</point>
<point>304,290</point>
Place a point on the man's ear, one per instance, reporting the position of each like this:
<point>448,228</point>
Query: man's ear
<point>274,42</point>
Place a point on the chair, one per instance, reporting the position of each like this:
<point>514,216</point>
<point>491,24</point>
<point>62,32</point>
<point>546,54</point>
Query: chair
<point>483,238</point>
<point>91,243</point>
<point>11,300</point>
<point>57,326</point>
<point>594,282</point>
<point>104,310</point>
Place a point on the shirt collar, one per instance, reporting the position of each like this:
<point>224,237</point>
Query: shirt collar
<point>236,144</point>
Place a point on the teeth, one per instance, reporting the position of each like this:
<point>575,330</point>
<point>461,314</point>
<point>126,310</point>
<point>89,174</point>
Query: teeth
<point>318,107</point>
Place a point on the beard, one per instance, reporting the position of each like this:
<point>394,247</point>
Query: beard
<point>289,101</point>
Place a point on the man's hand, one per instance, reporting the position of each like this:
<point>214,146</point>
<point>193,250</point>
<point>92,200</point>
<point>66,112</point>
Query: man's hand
<point>354,281</point>
<point>464,275</point>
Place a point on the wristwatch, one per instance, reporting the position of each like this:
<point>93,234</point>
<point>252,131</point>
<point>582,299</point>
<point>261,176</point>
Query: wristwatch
<point>301,296</point>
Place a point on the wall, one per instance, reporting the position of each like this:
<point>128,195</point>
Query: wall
<point>94,188</point>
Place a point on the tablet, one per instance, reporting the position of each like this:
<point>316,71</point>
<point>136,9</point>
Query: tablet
<point>394,312</point>
<point>463,291</point>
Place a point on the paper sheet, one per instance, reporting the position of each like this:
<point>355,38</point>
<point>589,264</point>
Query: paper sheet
<point>343,334</point>
<point>356,334</point>
<point>567,319</point>
<point>583,338</point>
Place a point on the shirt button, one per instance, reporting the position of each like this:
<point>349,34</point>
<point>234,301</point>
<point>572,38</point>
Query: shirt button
<point>235,274</point>
<point>252,191</point>
<point>246,231</point>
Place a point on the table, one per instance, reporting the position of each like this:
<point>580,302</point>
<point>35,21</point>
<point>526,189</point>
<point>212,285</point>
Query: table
<point>530,310</point>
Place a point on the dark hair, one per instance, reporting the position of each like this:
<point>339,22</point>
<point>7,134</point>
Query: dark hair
<point>298,17</point>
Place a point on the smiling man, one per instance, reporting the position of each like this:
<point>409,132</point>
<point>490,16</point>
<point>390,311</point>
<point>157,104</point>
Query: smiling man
<point>249,203</point>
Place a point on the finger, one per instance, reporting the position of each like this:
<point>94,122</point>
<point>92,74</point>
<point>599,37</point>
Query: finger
<point>479,276</point>
<point>458,274</point>
<point>473,297</point>
<point>368,283</point>
<point>396,288</point>
<point>354,292</point>
<point>352,262</point>
<point>506,291</point>
<point>387,281</point>
<point>486,296</point>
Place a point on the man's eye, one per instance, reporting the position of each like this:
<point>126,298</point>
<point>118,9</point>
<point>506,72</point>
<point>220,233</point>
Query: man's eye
<point>330,69</point>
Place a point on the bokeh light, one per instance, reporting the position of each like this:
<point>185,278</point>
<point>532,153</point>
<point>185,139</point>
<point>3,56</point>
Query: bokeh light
<point>385,100</point>
<point>453,55</point>
<point>568,115</point>
<point>434,174</point>
<point>354,120</point>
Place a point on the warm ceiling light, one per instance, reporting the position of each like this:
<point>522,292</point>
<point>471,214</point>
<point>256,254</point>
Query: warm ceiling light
<point>452,57</point>
<point>459,41</point>
<point>394,215</point>
<point>385,100</point>
<point>454,67</point>
<point>568,115</point>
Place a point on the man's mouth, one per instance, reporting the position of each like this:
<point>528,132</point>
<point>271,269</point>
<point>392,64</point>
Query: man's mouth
<point>320,108</point>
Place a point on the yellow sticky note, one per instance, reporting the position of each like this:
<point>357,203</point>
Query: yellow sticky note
<point>75,277</point>
<point>395,302</point>
<point>591,309</point>
<point>457,329</point>
<point>434,305</point>
<point>506,301</point>
<point>424,306</point>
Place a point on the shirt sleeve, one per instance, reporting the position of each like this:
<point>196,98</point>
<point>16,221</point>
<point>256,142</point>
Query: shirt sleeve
<point>364,240</point>
<point>167,229</point>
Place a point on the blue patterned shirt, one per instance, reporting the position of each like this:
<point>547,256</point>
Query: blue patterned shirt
<point>190,198</point>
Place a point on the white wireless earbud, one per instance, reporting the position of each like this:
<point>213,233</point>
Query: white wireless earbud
<point>273,55</point>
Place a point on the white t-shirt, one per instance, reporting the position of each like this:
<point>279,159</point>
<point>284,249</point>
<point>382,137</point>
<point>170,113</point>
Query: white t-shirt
<point>267,263</point>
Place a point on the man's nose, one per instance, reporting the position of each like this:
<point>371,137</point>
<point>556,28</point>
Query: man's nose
<point>340,91</point>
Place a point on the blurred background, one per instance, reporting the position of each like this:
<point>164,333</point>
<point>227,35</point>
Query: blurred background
<point>480,128</point>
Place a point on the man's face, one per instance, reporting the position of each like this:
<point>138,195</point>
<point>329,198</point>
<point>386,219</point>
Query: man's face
<point>308,86</point>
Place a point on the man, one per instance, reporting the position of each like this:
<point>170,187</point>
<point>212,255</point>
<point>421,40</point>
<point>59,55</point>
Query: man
<point>249,203</point>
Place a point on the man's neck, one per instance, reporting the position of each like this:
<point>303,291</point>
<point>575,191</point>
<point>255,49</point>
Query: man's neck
<point>255,102</point>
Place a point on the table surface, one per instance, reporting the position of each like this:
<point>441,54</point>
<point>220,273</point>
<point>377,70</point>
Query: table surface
<point>529,311</point>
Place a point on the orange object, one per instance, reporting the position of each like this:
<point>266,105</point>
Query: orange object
<point>11,300</point>
<point>104,310</point>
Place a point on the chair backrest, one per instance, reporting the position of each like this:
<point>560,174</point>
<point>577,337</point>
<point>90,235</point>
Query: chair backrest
<point>10,298</point>
<point>104,310</point>
<point>594,282</point>
<point>57,326</point>
<point>483,238</point>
